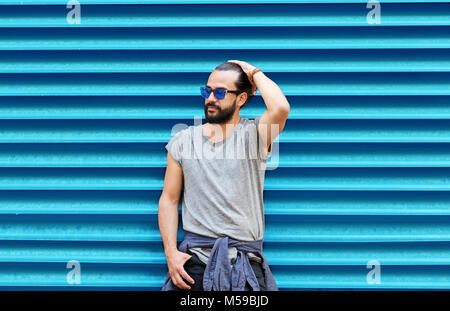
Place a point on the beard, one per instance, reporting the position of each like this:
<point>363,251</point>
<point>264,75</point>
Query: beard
<point>221,115</point>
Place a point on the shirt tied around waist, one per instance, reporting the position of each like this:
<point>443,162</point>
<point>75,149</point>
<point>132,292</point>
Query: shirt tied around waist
<point>219,275</point>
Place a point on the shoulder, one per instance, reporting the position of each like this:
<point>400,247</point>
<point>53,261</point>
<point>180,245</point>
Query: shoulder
<point>249,123</point>
<point>179,134</point>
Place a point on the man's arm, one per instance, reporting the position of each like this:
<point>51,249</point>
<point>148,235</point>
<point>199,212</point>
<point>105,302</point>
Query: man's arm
<point>168,223</point>
<point>273,120</point>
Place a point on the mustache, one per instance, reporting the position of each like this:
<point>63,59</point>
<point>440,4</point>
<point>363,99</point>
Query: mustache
<point>211,105</point>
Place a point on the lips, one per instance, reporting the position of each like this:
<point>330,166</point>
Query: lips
<point>212,109</point>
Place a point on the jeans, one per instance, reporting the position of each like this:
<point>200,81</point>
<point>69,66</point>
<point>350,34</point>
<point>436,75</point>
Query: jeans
<point>195,268</point>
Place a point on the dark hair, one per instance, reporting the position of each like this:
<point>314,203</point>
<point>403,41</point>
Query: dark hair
<point>243,83</point>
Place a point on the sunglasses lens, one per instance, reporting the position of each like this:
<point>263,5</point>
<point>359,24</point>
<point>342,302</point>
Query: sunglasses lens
<point>220,94</point>
<point>205,92</point>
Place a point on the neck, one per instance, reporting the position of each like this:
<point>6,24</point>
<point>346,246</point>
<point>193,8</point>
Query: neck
<point>215,129</point>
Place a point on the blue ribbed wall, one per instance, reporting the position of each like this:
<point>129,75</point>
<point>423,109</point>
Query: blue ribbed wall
<point>85,112</point>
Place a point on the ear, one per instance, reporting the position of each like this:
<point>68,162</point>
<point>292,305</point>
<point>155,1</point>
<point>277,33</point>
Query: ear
<point>242,98</point>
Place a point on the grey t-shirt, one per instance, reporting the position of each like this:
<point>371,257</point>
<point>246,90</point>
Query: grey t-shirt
<point>223,183</point>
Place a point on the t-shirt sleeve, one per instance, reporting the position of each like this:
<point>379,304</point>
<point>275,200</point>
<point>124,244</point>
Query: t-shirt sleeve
<point>261,152</point>
<point>175,147</point>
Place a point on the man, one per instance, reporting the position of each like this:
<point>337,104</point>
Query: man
<point>222,208</point>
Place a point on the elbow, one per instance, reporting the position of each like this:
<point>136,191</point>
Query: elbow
<point>284,109</point>
<point>168,199</point>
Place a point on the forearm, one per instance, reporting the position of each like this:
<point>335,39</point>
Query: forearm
<point>168,223</point>
<point>271,93</point>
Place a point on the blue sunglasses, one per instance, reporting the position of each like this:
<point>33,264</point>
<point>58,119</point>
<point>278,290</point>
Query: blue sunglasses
<point>218,93</point>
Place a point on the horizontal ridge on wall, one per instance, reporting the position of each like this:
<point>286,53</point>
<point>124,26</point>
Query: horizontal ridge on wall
<point>122,2</point>
<point>228,38</point>
<point>310,178</point>
<point>201,61</point>
<point>279,229</point>
<point>123,276</point>
<point>173,84</point>
<point>188,108</point>
<point>153,155</point>
<point>280,254</point>
<point>277,202</point>
<point>159,131</point>
<point>226,15</point>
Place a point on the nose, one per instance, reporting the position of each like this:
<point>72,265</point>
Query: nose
<point>213,97</point>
